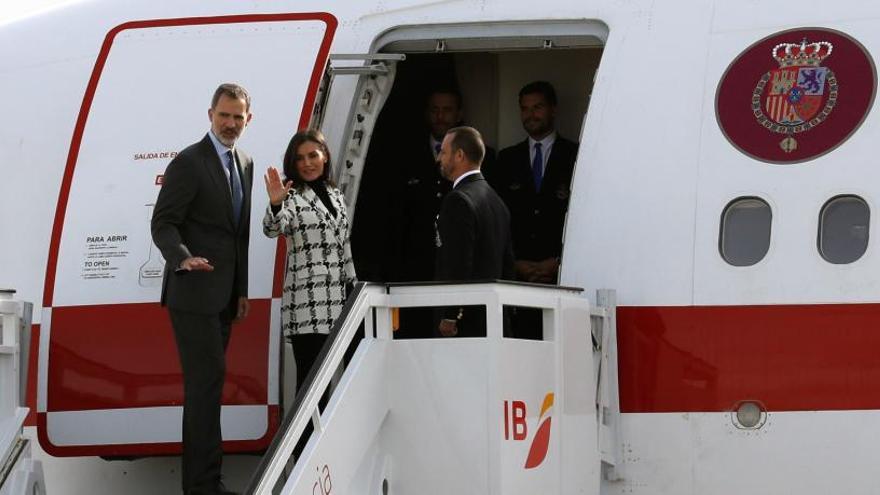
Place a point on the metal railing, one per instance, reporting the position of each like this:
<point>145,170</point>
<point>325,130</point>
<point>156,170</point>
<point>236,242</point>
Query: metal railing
<point>306,403</point>
<point>370,307</point>
<point>15,328</point>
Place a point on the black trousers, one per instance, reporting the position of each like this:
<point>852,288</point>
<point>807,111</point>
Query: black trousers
<point>416,323</point>
<point>528,323</point>
<point>305,350</point>
<point>201,345</point>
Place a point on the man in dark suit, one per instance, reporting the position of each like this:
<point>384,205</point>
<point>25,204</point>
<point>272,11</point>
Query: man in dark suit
<point>200,223</point>
<point>473,228</point>
<point>418,190</point>
<point>533,178</point>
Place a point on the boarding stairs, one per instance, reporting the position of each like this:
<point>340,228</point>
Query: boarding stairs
<point>19,473</point>
<point>490,415</point>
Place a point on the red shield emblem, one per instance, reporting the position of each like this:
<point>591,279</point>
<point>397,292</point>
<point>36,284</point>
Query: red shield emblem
<point>780,100</point>
<point>793,95</point>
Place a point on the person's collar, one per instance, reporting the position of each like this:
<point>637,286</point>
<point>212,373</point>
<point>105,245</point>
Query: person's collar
<point>462,176</point>
<point>220,147</point>
<point>546,143</point>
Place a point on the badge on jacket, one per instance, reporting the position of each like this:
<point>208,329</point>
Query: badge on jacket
<point>437,241</point>
<point>563,193</point>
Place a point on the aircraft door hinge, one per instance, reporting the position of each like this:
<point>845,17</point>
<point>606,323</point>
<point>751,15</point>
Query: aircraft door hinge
<point>375,63</point>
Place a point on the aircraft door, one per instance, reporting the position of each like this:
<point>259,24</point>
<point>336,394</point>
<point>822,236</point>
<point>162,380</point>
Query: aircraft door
<point>109,379</point>
<point>375,80</point>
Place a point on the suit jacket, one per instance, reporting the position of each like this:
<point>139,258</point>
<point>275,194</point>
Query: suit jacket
<point>319,262</point>
<point>473,236</point>
<point>537,217</point>
<point>193,217</point>
<point>473,233</point>
<point>417,196</point>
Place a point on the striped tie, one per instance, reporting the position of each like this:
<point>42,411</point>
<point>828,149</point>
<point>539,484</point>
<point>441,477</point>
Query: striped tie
<point>234,187</point>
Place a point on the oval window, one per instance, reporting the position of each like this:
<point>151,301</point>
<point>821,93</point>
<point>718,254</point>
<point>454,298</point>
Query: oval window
<point>843,229</point>
<point>745,231</point>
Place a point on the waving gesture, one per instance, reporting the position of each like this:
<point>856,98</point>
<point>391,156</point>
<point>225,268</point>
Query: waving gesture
<point>276,189</point>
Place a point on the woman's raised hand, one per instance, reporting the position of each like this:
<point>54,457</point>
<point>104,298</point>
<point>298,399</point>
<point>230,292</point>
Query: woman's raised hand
<point>276,189</point>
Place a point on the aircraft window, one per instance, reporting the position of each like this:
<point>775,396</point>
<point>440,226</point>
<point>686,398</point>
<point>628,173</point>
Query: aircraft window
<point>745,231</point>
<point>843,229</point>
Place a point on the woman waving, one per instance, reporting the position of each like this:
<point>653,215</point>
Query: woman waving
<point>310,212</point>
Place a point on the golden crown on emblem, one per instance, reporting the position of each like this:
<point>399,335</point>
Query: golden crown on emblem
<point>801,54</point>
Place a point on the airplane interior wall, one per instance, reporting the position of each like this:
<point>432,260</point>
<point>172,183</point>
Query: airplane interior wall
<point>490,84</point>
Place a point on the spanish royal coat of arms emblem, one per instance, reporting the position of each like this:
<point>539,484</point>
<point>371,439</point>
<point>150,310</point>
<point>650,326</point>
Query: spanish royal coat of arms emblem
<point>792,98</point>
<point>795,95</point>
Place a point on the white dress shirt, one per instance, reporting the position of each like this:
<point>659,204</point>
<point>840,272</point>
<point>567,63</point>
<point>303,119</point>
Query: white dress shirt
<point>462,176</point>
<point>224,159</point>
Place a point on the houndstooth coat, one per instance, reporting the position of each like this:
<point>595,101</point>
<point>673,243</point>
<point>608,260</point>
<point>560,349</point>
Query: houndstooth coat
<point>319,260</point>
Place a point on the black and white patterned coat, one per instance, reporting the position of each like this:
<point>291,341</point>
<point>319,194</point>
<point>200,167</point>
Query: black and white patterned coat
<point>319,260</point>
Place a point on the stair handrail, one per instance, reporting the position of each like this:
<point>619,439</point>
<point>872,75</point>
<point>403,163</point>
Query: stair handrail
<point>306,402</point>
<point>363,298</point>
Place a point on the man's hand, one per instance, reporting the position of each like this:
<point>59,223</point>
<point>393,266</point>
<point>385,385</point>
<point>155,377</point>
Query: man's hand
<point>243,307</point>
<point>448,328</point>
<point>195,264</point>
<point>525,270</point>
<point>546,271</point>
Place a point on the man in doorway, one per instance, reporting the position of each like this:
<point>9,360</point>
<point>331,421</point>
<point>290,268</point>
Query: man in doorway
<point>419,190</point>
<point>200,223</point>
<point>533,178</point>
<point>473,228</point>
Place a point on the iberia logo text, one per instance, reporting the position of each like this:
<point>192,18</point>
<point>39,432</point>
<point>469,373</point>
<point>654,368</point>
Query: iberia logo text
<point>516,428</point>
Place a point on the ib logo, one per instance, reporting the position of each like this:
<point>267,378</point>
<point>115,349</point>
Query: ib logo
<point>516,429</point>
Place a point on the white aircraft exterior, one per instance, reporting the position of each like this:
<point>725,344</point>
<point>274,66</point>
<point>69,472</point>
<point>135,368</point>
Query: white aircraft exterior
<point>724,188</point>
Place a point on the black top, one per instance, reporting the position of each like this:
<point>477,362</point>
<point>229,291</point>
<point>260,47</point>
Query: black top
<point>320,188</point>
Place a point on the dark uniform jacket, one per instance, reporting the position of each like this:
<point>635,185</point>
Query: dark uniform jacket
<point>417,196</point>
<point>419,190</point>
<point>537,217</point>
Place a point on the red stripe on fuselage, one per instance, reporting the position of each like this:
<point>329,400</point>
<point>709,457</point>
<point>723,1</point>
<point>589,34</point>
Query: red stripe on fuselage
<point>146,449</point>
<point>30,397</point>
<point>124,355</point>
<point>709,358</point>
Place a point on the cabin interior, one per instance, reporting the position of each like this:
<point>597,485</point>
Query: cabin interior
<point>488,73</point>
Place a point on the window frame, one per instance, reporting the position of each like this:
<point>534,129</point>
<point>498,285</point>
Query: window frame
<point>821,222</point>
<point>722,223</point>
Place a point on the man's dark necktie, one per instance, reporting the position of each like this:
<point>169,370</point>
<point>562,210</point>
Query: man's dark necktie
<point>538,166</point>
<point>234,186</point>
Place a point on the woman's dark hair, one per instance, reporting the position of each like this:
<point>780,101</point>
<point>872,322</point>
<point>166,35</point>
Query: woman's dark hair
<point>298,139</point>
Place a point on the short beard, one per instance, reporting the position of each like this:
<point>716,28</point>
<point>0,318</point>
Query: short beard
<point>225,141</point>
